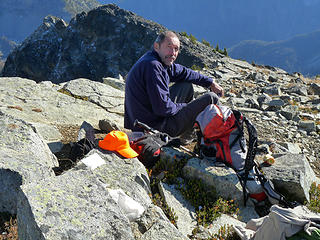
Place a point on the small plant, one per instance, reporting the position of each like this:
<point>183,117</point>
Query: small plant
<point>192,38</point>
<point>206,43</point>
<point>293,102</point>
<point>314,204</point>
<point>205,199</point>
<point>184,34</point>
<point>226,232</point>
<point>196,67</point>
<point>225,52</point>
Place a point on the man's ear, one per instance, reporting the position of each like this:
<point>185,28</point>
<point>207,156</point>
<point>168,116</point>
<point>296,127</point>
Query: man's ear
<point>156,46</point>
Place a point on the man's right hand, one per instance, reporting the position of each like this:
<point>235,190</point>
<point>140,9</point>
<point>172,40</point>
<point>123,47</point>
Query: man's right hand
<point>216,88</point>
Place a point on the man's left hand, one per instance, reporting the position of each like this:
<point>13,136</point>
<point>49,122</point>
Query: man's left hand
<point>216,88</point>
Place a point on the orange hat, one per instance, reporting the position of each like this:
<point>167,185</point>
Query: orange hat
<point>118,141</point>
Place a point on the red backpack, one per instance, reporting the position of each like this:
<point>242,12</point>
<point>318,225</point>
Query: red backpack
<point>221,137</point>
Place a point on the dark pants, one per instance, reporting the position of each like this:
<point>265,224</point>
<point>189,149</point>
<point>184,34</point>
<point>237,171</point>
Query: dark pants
<point>185,118</point>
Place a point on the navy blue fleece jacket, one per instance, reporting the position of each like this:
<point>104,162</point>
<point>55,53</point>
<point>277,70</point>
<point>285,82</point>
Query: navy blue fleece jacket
<point>147,96</point>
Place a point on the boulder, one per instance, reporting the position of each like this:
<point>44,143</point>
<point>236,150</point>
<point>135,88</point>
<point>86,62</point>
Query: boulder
<point>75,205</point>
<point>24,158</point>
<point>221,178</point>
<point>292,175</point>
<point>48,106</point>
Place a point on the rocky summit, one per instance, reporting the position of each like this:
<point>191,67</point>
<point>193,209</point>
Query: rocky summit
<point>103,42</point>
<point>57,90</point>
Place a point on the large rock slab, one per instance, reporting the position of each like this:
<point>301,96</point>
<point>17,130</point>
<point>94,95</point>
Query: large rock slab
<point>44,105</point>
<point>103,95</point>
<point>24,157</point>
<point>75,205</point>
<point>221,178</point>
<point>127,174</point>
<point>292,175</point>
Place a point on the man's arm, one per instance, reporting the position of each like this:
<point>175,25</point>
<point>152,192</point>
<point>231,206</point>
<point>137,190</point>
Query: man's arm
<point>181,73</point>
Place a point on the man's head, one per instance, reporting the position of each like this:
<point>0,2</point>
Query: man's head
<point>167,45</point>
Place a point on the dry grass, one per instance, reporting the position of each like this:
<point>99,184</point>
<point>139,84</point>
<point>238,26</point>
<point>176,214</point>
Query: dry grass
<point>8,227</point>
<point>69,133</point>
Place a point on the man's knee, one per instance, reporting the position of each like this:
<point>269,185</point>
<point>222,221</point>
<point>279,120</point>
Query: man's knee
<point>181,92</point>
<point>210,98</point>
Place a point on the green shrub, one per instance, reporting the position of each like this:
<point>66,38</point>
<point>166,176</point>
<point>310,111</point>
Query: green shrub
<point>204,199</point>
<point>314,204</point>
<point>206,43</point>
<point>196,67</point>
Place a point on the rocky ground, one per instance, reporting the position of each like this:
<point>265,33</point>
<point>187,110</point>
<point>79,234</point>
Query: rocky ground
<point>244,89</point>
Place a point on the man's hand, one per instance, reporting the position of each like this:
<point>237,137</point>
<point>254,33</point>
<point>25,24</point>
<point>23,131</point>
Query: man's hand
<point>216,88</point>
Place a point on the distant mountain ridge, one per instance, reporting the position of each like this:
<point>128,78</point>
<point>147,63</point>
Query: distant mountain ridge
<point>297,54</point>
<point>229,22</point>
<point>266,24</point>
<point>19,18</point>
<point>225,23</point>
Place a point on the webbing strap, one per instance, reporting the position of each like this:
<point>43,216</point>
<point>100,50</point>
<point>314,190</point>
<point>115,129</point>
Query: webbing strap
<point>222,149</point>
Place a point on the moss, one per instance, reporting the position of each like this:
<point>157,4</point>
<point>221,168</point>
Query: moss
<point>84,98</point>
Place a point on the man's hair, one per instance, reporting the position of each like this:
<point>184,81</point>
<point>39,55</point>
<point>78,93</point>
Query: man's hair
<point>161,37</point>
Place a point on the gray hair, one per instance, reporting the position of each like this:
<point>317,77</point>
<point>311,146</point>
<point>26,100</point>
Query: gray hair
<point>161,37</point>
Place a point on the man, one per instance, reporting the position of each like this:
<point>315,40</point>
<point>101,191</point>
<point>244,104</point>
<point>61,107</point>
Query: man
<point>149,99</point>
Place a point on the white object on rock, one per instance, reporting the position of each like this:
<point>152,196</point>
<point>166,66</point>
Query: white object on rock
<point>131,208</point>
<point>93,161</point>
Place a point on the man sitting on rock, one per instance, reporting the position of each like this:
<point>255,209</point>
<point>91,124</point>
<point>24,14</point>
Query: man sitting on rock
<point>149,99</point>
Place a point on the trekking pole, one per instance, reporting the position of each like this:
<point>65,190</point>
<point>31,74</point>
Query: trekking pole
<point>151,130</point>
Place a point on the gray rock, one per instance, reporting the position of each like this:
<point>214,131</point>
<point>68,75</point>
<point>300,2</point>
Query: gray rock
<point>153,224</point>
<point>98,93</point>
<point>275,104</point>
<point>127,174</point>
<point>185,212</point>
<point>221,178</point>
<point>299,89</point>
<point>291,175</point>
<point>273,90</point>
<point>253,103</point>
<point>289,112</point>
<point>263,99</point>
<point>107,126</point>
<point>114,82</point>
<point>75,205</point>
<point>307,125</point>
<point>315,88</point>
<point>291,147</point>
<point>24,158</point>
<point>42,105</point>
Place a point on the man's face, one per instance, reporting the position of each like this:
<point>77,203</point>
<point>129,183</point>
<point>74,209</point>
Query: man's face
<point>168,50</point>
